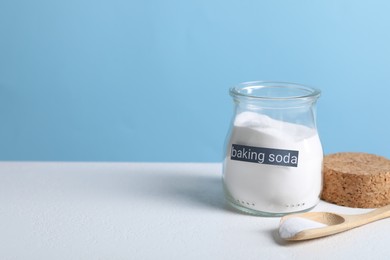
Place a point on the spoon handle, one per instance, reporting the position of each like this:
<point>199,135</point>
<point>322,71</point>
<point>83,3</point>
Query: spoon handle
<point>379,213</point>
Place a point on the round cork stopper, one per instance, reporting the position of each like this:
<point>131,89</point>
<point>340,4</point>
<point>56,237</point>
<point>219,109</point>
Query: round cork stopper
<point>357,180</point>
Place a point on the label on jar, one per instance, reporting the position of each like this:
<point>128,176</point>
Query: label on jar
<point>263,155</point>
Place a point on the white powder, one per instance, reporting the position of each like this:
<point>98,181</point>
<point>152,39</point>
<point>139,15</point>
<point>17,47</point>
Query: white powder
<point>292,226</point>
<point>274,188</point>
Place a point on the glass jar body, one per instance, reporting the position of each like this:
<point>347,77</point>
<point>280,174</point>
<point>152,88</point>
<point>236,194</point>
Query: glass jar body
<point>273,154</point>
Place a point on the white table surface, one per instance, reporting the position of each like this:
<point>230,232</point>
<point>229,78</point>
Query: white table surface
<point>150,211</point>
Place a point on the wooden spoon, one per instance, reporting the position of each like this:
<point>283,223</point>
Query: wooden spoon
<point>335,223</point>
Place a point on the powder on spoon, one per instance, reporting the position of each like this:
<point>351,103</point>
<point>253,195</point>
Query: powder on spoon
<point>292,226</point>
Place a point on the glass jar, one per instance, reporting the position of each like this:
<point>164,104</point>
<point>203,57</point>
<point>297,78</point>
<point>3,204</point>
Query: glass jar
<point>273,154</point>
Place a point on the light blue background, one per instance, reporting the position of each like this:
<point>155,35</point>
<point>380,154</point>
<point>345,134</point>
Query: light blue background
<point>147,80</point>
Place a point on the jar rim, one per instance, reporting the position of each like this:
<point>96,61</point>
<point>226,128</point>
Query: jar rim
<point>274,90</point>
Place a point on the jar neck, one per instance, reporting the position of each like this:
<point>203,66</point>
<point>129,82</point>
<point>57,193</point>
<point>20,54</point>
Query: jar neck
<point>256,104</point>
<point>286,102</point>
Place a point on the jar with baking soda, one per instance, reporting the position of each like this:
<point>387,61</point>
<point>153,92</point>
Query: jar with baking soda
<point>273,155</point>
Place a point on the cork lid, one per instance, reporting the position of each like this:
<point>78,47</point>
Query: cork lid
<point>358,180</point>
<point>357,163</point>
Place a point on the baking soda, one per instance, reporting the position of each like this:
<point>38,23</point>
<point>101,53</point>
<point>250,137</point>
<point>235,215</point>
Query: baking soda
<point>292,226</point>
<point>272,166</point>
